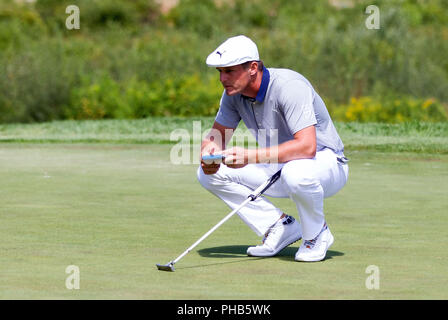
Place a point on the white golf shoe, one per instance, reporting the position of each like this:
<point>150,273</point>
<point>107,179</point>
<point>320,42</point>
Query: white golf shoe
<point>315,249</point>
<point>284,232</point>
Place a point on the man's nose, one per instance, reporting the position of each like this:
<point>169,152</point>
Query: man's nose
<point>222,77</point>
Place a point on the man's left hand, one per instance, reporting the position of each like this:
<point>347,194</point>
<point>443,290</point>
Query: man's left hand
<point>236,157</point>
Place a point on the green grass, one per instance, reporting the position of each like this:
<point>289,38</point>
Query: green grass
<point>414,137</point>
<point>115,210</point>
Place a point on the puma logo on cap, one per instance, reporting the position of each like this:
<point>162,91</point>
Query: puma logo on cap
<point>220,54</point>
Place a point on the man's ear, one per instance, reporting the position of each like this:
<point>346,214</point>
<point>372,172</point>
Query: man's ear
<point>253,69</point>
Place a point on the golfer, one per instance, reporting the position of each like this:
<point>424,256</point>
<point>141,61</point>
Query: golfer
<point>294,133</point>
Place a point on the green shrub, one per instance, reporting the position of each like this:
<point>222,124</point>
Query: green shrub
<point>201,17</point>
<point>35,83</point>
<point>126,61</point>
<point>97,14</point>
<point>107,98</point>
<point>18,25</point>
<point>104,12</point>
<point>185,96</point>
<point>391,110</point>
<point>102,99</point>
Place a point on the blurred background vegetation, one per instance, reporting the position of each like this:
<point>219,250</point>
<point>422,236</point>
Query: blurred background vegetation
<point>145,58</point>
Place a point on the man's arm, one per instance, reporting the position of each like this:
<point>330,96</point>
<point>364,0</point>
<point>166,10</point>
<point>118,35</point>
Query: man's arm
<point>214,143</point>
<point>303,146</point>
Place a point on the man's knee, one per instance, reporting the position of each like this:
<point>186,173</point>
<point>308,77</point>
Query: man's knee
<point>208,181</point>
<point>299,176</point>
<point>203,178</point>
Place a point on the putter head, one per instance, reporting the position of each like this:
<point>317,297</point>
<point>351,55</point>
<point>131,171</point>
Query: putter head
<point>166,267</point>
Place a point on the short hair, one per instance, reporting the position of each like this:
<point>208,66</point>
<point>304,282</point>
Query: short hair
<point>246,65</point>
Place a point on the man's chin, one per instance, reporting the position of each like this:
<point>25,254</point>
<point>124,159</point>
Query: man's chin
<point>231,92</point>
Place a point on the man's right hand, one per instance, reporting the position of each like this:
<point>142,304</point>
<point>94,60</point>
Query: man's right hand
<point>213,143</point>
<point>210,168</point>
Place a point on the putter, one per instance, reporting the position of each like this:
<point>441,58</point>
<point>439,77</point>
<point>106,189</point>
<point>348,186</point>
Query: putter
<point>257,192</point>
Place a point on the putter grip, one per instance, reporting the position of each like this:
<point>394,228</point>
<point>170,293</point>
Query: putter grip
<point>213,158</point>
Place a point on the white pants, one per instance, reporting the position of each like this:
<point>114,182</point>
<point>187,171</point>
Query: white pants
<point>307,182</point>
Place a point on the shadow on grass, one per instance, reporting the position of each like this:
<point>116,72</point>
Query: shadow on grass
<point>239,252</point>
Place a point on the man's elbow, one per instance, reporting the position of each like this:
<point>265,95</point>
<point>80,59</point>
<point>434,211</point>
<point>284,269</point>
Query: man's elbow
<point>306,142</point>
<point>311,151</point>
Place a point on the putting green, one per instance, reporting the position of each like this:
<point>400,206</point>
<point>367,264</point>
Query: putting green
<point>114,211</point>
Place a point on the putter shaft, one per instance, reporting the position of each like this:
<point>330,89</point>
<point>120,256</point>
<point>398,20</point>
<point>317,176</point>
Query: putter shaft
<point>257,192</point>
<point>212,230</point>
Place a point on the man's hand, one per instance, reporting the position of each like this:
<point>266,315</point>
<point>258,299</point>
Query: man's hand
<point>209,167</point>
<point>213,143</point>
<point>236,157</point>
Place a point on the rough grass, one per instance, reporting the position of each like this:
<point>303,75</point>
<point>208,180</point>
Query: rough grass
<point>415,137</point>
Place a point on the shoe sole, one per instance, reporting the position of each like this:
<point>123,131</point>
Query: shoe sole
<point>288,243</point>
<point>320,258</point>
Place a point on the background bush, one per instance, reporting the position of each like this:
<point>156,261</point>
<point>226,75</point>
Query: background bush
<point>391,110</point>
<point>106,98</point>
<point>131,60</point>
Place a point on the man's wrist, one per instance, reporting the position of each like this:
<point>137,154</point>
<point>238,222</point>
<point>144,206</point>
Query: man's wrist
<point>252,156</point>
<point>266,155</point>
<point>209,146</point>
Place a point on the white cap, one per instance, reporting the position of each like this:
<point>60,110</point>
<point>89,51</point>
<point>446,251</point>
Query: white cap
<point>233,51</point>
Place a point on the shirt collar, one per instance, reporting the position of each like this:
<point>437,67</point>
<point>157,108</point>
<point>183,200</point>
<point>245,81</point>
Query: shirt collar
<point>263,87</point>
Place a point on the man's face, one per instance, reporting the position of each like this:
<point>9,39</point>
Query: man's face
<point>234,79</point>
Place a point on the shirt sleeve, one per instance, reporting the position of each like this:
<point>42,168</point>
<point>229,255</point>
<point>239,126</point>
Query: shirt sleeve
<point>227,115</point>
<point>296,101</point>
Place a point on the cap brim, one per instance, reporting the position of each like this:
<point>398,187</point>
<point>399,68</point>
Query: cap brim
<point>216,62</point>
